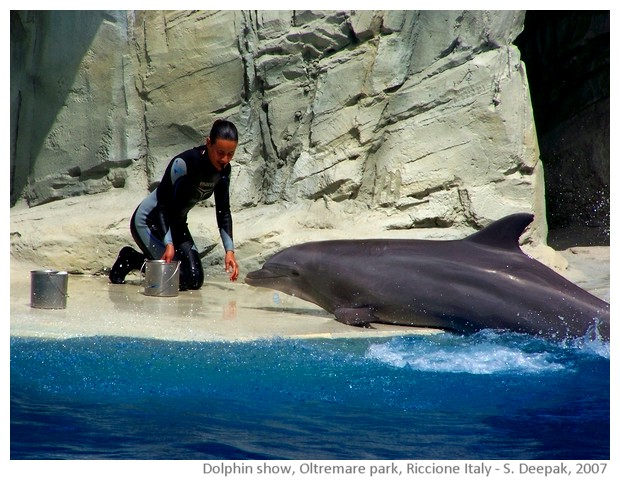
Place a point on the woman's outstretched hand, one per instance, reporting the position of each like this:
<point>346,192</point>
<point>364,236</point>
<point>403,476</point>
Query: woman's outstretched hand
<point>231,265</point>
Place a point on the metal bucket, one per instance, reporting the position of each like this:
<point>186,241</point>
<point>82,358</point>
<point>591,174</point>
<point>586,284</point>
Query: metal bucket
<point>161,279</point>
<point>48,289</point>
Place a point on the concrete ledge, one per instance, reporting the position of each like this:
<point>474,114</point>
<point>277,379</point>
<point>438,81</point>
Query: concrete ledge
<point>220,311</point>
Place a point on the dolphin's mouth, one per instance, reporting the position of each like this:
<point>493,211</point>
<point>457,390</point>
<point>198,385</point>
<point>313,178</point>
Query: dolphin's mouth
<point>258,277</point>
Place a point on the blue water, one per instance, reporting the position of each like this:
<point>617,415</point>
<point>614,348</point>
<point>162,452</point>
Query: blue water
<point>486,396</point>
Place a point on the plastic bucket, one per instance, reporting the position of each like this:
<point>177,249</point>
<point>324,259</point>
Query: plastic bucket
<point>161,279</point>
<point>48,289</point>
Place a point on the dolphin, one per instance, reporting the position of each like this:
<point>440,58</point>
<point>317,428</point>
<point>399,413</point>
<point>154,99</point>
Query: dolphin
<point>482,281</point>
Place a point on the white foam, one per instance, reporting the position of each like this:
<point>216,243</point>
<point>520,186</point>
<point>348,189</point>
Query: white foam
<point>464,356</point>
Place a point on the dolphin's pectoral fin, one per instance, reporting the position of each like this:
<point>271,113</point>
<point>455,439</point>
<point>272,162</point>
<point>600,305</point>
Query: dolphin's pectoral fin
<point>357,317</point>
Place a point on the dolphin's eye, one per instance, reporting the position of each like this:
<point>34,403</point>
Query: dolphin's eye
<point>295,273</point>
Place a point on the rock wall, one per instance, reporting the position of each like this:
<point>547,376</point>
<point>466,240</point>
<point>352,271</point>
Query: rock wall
<point>72,128</point>
<point>351,123</point>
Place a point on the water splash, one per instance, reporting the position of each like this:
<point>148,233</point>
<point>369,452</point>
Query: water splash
<point>591,343</point>
<point>487,352</point>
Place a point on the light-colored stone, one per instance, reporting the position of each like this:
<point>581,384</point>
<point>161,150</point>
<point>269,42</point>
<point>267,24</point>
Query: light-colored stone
<point>366,123</point>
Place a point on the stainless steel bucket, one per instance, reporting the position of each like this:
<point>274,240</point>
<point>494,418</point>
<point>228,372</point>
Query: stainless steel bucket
<point>48,289</point>
<point>161,279</point>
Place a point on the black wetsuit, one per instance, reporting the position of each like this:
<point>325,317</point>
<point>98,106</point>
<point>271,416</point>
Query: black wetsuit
<point>161,218</point>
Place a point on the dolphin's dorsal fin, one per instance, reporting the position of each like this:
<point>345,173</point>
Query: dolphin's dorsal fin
<point>503,233</point>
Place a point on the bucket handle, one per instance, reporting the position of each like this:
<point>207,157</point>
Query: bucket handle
<point>142,273</point>
<point>64,294</point>
<point>142,277</point>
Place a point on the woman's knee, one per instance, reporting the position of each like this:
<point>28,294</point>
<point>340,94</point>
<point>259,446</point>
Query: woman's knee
<point>194,278</point>
<point>192,274</point>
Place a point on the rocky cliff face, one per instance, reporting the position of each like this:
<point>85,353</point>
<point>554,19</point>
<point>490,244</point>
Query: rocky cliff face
<point>351,123</point>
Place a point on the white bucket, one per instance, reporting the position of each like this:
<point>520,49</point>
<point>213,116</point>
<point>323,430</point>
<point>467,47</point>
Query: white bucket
<point>161,278</point>
<point>48,289</point>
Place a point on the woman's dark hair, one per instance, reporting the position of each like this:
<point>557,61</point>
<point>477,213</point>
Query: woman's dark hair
<point>223,129</point>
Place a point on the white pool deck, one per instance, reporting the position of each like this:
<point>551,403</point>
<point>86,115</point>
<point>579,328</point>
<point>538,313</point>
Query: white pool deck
<point>220,311</point>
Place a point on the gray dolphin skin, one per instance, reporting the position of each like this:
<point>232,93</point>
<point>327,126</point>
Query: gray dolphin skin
<point>482,281</point>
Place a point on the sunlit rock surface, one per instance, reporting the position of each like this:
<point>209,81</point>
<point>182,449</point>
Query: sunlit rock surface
<point>413,124</point>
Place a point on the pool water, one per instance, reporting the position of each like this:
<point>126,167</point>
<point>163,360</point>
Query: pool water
<point>485,396</point>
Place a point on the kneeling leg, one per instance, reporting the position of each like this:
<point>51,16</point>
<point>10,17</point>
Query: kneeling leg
<point>192,274</point>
